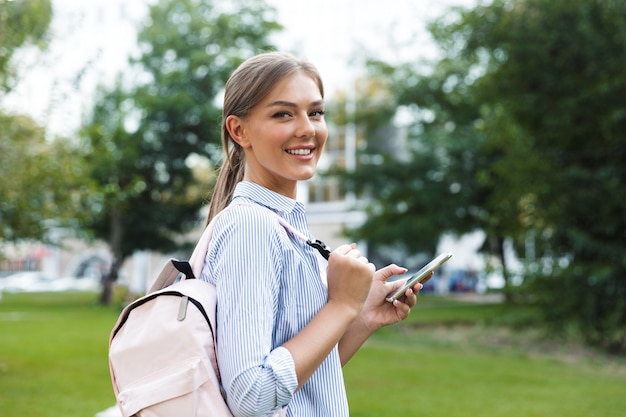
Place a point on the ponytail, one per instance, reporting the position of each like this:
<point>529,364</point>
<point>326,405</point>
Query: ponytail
<point>230,174</point>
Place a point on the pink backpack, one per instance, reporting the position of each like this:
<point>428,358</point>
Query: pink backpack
<point>162,355</point>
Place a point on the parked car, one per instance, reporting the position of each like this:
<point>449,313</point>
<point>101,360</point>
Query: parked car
<point>26,281</point>
<point>35,281</point>
<point>462,280</point>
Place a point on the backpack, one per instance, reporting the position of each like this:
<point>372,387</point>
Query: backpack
<point>162,350</point>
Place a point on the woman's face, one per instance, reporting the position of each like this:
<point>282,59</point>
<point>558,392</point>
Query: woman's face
<point>284,135</point>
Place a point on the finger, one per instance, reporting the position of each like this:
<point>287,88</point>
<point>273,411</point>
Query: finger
<point>403,308</point>
<point>395,285</point>
<point>429,277</point>
<point>410,298</point>
<point>417,288</point>
<point>344,249</point>
<point>390,270</point>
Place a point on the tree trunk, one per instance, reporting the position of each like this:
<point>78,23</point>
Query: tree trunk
<point>505,271</point>
<point>115,241</point>
<point>109,280</point>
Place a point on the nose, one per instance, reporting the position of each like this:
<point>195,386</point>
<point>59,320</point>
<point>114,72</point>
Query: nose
<point>305,127</point>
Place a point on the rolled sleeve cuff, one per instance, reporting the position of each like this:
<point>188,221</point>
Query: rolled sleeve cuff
<point>282,364</point>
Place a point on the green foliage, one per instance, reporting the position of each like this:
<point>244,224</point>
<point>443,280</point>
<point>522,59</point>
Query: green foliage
<point>558,69</point>
<point>144,141</point>
<point>125,195</point>
<point>518,130</point>
<point>189,49</point>
<point>40,181</point>
<point>22,23</point>
<point>440,181</point>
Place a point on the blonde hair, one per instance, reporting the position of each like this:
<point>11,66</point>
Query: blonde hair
<point>251,82</point>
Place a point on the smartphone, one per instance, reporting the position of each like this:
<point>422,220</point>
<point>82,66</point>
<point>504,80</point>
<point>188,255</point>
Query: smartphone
<point>421,276</point>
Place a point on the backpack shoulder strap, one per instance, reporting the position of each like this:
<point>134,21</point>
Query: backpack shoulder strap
<point>321,247</point>
<point>193,268</point>
<point>197,257</point>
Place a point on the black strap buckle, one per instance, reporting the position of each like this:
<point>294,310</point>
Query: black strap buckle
<point>321,247</point>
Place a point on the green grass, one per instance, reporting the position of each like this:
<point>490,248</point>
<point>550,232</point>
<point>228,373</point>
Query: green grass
<point>457,359</point>
<point>416,374</point>
<point>435,309</point>
<point>53,355</point>
<point>444,361</point>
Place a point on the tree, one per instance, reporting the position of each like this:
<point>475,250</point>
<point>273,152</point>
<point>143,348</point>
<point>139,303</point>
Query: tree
<point>39,178</point>
<point>40,181</point>
<point>524,115</point>
<point>552,102</point>
<point>433,184</point>
<point>22,23</point>
<point>142,140</point>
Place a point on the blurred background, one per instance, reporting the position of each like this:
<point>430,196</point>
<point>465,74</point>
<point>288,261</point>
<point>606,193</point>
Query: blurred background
<point>88,47</point>
<point>495,130</point>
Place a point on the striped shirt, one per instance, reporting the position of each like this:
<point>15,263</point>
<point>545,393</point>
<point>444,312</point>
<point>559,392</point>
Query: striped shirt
<point>269,287</point>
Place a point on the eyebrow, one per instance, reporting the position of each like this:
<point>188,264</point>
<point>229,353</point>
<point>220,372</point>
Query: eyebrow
<point>290,104</point>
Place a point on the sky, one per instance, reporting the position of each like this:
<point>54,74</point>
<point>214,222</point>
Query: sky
<point>91,42</point>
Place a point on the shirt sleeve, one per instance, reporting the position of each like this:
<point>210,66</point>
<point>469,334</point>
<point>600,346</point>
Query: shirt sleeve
<point>246,257</point>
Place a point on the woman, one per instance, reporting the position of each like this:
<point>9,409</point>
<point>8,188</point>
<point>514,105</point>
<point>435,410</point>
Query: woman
<point>285,324</point>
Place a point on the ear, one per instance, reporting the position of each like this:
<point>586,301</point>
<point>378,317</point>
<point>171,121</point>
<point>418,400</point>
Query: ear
<point>237,130</point>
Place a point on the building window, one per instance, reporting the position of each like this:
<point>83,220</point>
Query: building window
<point>326,189</point>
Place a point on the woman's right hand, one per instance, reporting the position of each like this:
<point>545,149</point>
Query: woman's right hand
<point>350,276</point>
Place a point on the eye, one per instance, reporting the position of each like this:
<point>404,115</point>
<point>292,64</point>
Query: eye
<point>281,115</point>
<point>318,113</point>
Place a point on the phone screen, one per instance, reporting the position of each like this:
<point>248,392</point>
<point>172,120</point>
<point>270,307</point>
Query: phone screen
<point>421,276</point>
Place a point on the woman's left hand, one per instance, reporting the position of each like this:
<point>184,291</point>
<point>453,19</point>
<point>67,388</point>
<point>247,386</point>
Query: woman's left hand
<point>378,312</point>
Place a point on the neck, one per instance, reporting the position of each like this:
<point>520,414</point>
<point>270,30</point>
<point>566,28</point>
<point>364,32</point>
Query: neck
<point>288,190</point>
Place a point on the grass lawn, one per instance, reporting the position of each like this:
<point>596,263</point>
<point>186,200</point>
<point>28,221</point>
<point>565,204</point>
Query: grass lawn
<point>416,375</point>
<point>443,361</point>
<point>53,355</point>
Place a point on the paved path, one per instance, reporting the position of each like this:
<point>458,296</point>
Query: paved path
<point>109,412</point>
<point>479,298</point>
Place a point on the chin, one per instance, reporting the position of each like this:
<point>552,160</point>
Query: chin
<point>306,176</point>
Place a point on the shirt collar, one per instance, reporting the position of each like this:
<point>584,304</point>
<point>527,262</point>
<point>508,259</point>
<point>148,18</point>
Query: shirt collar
<point>265,197</point>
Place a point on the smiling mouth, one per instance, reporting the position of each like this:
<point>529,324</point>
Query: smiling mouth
<point>299,151</point>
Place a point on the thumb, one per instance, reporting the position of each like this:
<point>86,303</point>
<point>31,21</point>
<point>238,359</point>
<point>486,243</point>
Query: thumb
<point>387,272</point>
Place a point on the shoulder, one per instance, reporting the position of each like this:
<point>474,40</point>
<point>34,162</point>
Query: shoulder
<point>246,232</point>
<point>247,216</point>
<point>249,224</point>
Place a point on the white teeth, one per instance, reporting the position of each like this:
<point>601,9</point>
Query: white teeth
<point>299,151</point>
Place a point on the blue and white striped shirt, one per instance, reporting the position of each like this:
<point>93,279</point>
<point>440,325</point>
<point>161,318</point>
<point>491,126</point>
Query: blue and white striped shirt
<point>269,287</point>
